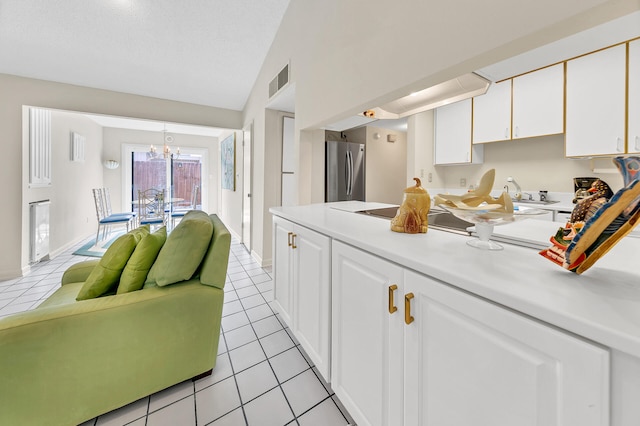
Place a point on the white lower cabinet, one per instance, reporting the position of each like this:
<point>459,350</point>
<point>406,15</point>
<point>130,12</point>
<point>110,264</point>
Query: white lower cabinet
<point>471,362</point>
<point>366,355</point>
<point>302,288</point>
<point>444,357</point>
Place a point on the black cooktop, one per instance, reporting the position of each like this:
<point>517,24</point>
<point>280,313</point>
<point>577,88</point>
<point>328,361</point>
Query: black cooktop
<point>438,219</point>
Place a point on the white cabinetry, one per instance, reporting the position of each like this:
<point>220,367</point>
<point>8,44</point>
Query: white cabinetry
<point>538,103</point>
<point>492,114</point>
<point>453,135</point>
<point>366,370</point>
<point>302,288</point>
<point>410,350</point>
<point>470,362</point>
<point>633,141</point>
<point>595,110</point>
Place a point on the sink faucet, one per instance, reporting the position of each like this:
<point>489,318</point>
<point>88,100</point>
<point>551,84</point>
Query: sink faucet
<point>518,194</point>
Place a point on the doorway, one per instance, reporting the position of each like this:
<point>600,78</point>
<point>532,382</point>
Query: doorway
<point>247,151</point>
<point>177,175</point>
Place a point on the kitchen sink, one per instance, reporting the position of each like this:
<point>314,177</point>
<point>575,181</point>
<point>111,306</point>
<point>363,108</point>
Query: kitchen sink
<point>538,202</point>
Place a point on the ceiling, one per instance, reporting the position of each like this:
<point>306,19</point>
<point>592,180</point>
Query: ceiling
<point>206,52</point>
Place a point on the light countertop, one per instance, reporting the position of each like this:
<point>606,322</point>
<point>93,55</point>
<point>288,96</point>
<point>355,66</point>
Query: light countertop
<point>602,305</point>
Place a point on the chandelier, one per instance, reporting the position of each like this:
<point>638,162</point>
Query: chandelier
<point>166,150</point>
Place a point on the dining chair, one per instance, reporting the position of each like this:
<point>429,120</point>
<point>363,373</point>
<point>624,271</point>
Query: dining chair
<point>106,222</point>
<point>106,196</point>
<point>151,204</point>
<point>179,213</point>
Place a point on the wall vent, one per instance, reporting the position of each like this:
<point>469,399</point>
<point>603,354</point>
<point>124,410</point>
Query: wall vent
<point>279,81</point>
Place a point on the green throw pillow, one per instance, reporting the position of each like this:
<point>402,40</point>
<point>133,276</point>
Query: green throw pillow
<point>137,268</point>
<point>184,250</point>
<point>106,274</point>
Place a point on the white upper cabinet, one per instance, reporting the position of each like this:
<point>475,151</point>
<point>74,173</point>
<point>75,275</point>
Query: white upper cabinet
<point>633,142</point>
<point>538,103</point>
<point>453,135</point>
<point>595,108</point>
<point>492,114</point>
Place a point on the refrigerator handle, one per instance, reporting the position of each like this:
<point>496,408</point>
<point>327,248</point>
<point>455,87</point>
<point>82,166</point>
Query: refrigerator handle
<point>351,177</point>
<point>346,172</point>
<point>348,167</point>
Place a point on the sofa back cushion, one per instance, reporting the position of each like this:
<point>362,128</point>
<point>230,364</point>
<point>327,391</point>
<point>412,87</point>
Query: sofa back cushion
<point>135,272</point>
<point>105,276</point>
<point>214,265</point>
<point>181,255</point>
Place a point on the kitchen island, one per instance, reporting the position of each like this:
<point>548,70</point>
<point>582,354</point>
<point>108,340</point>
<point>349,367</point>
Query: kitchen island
<point>407,326</point>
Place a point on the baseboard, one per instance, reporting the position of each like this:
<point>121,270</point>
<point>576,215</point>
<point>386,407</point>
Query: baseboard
<point>14,273</point>
<point>262,262</point>
<point>67,246</point>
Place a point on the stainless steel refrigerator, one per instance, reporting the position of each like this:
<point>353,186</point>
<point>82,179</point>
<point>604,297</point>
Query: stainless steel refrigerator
<point>344,175</point>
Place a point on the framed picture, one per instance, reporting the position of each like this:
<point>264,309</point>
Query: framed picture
<point>228,162</point>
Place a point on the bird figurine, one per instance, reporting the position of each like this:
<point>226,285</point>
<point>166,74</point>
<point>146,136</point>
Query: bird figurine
<point>585,208</point>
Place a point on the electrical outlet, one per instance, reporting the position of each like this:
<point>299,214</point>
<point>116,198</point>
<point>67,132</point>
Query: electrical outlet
<point>463,182</point>
<point>422,173</point>
<point>430,178</point>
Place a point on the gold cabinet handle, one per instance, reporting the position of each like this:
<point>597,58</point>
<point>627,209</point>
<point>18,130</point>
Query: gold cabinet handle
<point>289,238</point>
<point>392,307</point>
<point>293,241</point>
<point>408,319</point>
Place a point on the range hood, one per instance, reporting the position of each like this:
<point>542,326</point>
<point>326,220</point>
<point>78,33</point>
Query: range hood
<point>448,92</point>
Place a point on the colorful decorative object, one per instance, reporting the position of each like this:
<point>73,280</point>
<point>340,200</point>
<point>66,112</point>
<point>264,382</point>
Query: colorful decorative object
<point>594,229</point>
<point>411,217</point>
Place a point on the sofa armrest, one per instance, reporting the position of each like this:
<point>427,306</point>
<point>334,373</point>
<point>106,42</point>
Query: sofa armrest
<point>65,364</point>
<point>79,272</point>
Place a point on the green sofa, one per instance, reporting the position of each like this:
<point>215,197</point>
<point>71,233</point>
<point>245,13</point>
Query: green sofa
<point>69,361</point>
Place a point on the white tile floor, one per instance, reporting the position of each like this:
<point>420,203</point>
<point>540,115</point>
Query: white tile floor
<point>262,376</point>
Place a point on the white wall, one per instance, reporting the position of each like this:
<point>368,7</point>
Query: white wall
<point>536,164</point>
<point>386,166</point>
<point>18,91</point>
<point>72,210</point>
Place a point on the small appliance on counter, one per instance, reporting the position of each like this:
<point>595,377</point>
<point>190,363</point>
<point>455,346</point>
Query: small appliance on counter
<point>581,186</point>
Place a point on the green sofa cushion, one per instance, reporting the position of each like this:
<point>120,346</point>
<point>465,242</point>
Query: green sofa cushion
<point>106,274</point>
<point>135,272</point>
<point>185,248</point>
<point>214,266</point>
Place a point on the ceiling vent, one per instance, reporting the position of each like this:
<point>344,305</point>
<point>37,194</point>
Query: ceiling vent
<point>279,81</point>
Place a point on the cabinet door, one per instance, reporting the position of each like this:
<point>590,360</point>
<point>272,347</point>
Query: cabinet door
<point>633,143</point>
<point>538,103</point>
<point>595,123</point>
<point>282,268</point>
<point>312,296</point>
<point>453,135</point>
<point>366,369</point>
<point>492,114</point>
<point>470,362</point>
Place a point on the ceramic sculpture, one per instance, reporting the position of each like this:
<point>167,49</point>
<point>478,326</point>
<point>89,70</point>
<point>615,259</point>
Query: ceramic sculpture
<point>594,229</point>
<point>479,198</point>
<point>411,217</point>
